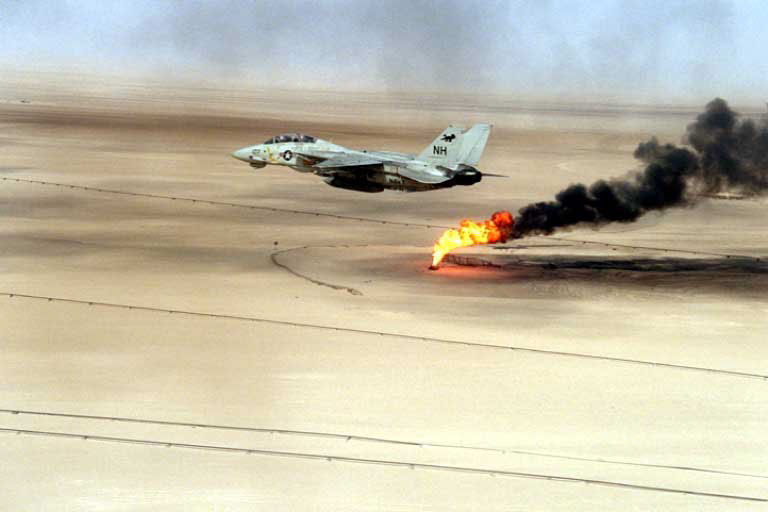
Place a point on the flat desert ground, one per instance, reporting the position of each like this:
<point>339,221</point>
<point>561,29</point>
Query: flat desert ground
<point>284,346</point>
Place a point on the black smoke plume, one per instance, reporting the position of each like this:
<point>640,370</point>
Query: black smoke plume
<point>725,153</point>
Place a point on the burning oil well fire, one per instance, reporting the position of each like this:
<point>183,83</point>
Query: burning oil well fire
<point>494,230</point>
<point>725,153</point>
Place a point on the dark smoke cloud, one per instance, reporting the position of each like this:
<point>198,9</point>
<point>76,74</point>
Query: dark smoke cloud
<point>726,153</point>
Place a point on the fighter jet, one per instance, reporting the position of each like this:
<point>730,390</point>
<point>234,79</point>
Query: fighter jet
<point>449,161</point>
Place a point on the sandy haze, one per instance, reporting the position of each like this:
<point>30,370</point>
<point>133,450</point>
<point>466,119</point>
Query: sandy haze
<point>684,290</point>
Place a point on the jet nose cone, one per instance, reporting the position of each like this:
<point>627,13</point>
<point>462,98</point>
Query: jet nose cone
<point>242,154</point>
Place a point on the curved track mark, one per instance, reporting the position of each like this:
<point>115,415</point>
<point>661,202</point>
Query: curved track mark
<point>382,462</point>
<point>285,267</point>
<point>382,440</point>
<point>409,337</point>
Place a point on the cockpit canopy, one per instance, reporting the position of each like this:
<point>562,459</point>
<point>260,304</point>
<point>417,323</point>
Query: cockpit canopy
<point>291,137</point>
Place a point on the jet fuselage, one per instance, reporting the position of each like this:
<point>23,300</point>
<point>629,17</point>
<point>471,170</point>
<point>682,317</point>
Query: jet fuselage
<point>363,170</point>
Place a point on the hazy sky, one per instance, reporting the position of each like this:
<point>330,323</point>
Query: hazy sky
<point>645,49</point>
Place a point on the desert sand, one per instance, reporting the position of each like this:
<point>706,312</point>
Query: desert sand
<point>148,275</point>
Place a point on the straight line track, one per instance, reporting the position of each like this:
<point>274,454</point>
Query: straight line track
<point>408,337</point>
<point>353,437</point>
<point>381,462</point>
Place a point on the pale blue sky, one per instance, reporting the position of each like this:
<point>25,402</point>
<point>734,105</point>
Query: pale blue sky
<point>647,50</point>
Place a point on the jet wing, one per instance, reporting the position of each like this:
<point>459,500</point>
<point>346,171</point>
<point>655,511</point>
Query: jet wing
<point>315,156</point>
<point>345,160</point>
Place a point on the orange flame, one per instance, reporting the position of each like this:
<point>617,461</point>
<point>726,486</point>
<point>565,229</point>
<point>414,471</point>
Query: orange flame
<point>496,229</point>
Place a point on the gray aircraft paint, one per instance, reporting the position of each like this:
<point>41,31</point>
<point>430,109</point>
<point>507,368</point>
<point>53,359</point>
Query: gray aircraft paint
<point>448,161</point>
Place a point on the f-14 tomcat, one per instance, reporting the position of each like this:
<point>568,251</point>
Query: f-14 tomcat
<point>449,161</point>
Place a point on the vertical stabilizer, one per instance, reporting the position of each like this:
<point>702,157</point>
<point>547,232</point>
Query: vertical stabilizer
<point>457,146</point>
<point>473,144</point>
<point>446,148</point>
